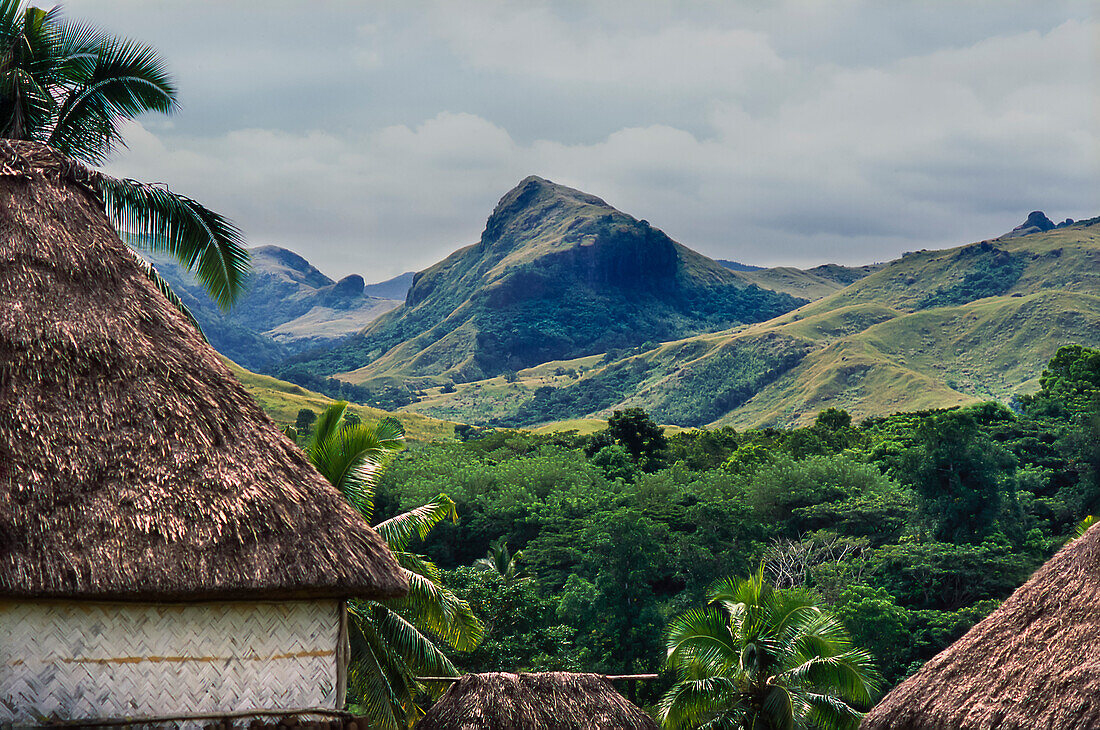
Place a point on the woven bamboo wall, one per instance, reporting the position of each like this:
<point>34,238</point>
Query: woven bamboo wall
<point>78,661</point>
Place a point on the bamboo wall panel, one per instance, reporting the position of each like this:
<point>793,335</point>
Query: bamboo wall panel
<point>80,661</point>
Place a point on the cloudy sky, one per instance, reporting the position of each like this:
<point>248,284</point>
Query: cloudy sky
<point>376,137</point>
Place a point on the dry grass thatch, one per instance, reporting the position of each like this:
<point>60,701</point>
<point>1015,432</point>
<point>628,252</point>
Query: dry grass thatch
<point>1034,663</point>
<point>548,701</point>
<point>133,466</point>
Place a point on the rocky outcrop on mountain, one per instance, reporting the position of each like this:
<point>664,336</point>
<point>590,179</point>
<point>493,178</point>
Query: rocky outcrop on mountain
<point>1036,222</point>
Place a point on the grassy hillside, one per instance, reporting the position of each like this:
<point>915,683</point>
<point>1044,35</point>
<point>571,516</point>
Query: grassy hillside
<point>932,329</point>
<point>282,401</point>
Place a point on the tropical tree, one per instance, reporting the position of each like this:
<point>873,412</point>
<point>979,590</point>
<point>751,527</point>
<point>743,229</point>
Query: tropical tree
<point>72,87</point>
<point>392,641</point>
<point>502,562</point>
<point>757,658</point>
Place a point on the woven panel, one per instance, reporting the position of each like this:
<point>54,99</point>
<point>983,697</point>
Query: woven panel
<point>80,661</point>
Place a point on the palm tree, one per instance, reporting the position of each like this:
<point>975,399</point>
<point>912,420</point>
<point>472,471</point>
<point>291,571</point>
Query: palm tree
<point>392,641</point>
<point>71,87</point>
<point>499,561</point>
<point>757,658</point>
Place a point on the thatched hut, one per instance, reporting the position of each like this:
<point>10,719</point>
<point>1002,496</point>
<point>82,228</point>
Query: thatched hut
<point>163,548</point>
<point>545,701</point>
<point>1033,663</point>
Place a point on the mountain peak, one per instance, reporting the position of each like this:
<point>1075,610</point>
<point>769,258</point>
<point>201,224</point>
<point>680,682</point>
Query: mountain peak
<point>538,201</point>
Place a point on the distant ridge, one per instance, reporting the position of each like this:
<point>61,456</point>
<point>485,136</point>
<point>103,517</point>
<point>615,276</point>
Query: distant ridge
<point>288,306</point>
<point>738,266</point>
<point>395,288</point>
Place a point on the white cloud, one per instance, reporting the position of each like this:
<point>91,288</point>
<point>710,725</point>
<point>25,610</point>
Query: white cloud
<point>719,132</point>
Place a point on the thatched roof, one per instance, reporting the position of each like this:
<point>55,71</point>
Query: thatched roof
<point>133,465</point>
<point>548,701</point>
<point>1033,663</point>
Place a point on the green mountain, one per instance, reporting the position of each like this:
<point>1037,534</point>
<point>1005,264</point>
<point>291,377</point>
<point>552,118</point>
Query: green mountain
<point>557,274</point>
<point>932,329</point>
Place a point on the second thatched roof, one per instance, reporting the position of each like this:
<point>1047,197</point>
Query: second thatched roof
<point>545,701</point>
<point>133,465</point>
<point>1032,664</point>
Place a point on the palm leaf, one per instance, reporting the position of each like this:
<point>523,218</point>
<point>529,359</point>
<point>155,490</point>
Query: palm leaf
<point>350,455</point>
<point>693,702</point>
<point>828,713</point>
<point>113,80</point>
<point>432,607</point>
<point>398,531</point>
<point>779,708</point>
<point>702,636</point>
<point>203,241</point>
<point>375,676</point>
<point>415,649</point>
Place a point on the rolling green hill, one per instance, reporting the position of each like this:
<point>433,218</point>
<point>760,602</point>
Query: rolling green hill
<point>282,401</point>
<point>557,274</point>
<point>932,329</point>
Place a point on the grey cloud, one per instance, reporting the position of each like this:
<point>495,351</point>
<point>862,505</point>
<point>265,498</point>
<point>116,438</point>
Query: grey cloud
<point>376,137</point>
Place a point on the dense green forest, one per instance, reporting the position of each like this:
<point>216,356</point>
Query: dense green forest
<point>910,528</point>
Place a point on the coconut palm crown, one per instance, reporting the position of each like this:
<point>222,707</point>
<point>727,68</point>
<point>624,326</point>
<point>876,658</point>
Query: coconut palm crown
<point>757,658</point>
<point>392,641</point>
<point>72,87</point>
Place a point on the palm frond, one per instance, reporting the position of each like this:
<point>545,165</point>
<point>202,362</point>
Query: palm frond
<point>415,649</point>
<point>691,703</point>
<point>350,455</point>
<point>702,636</point>
<point>327,424</point>
<point>399,530</point>
<point>779,707</point>
<point>111,80</point>
<point>203,241</point>
<point>377,683</point>
<point>828,713</point>
<point>434,608</point>
<point>419,564</point>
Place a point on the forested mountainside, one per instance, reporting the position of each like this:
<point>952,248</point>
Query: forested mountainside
<point>909,527</point>
<point>932,329</point>
<point>557,274</point>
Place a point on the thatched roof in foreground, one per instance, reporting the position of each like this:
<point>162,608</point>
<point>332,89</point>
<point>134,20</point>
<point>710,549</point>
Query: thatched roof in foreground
<point>1033,663</point>
<point>547,701</point>
<point>133,465</point>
